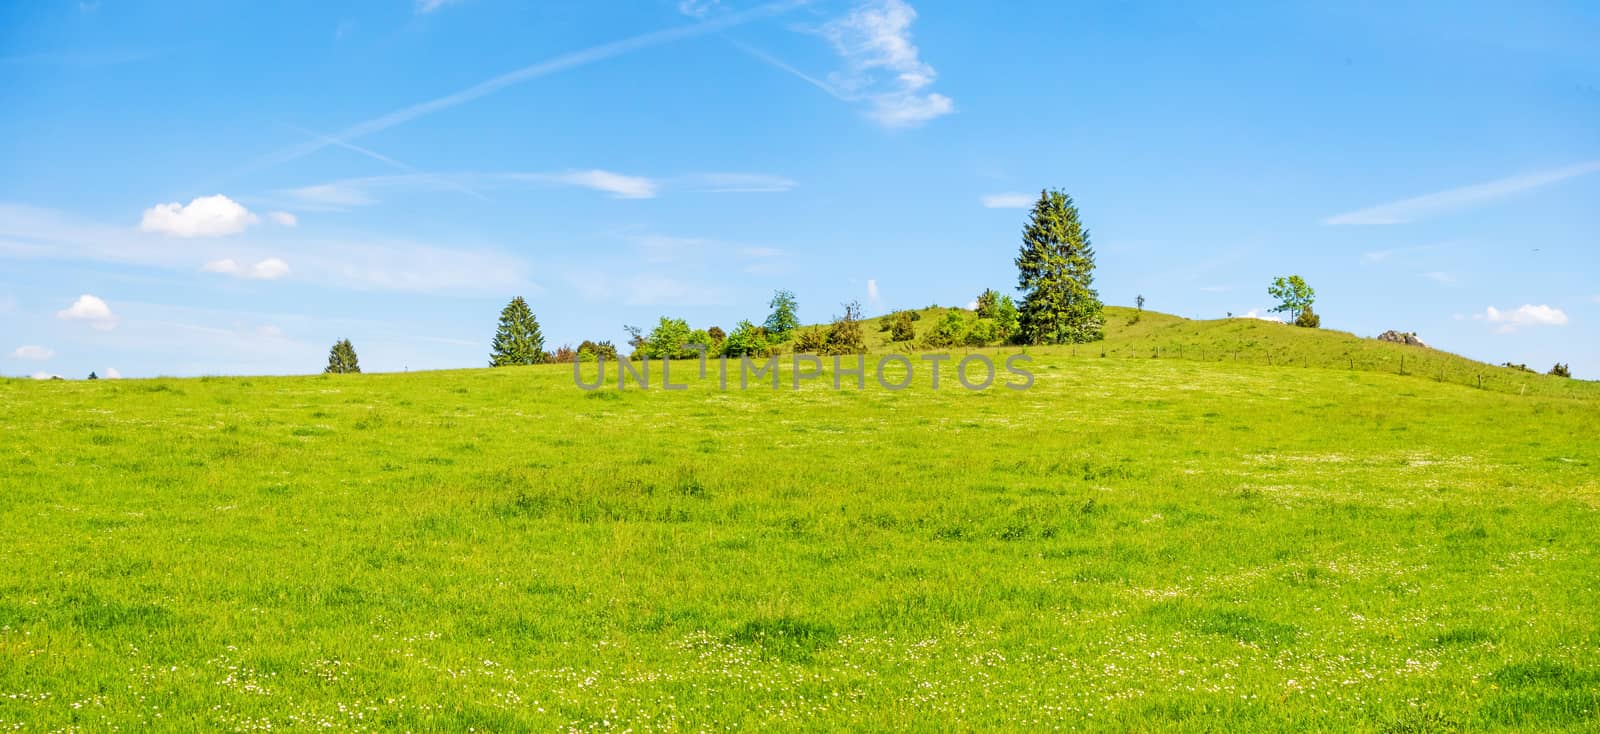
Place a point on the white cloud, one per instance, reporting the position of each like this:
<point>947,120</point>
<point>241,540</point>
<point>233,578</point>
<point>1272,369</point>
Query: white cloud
<point>284,219</point>
<point>111,373</point>
<point>872,292</point>
<point>355,263</point>
<point>33,351</point>
<point>1407,210</point>
<point>972,305</point>
<point>1257,314</point>
<point>206,216</point>
<point>271,268</point>
<point>883,66</point>
<point>616,184</point>
<point>1525,315</point>
<point>1213,289</point>
<point>1440,277</point>
<point>46,376</point>
<point>1007,201</point>
<point>91,309</point>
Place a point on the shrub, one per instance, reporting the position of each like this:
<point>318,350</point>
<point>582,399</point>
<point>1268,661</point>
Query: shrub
<point>592,350</point>
<point>950,331</point>
<point>982,333</point>
<point>562,355</point>
<point>746,339</point>
<point>717,335</point>
<point>1560,370</point>
<point>671,338</point>
<point>845,335</point>
<point>1519,367</point>
<point>1308,319</point>
<point>811,341</point>
<point>901,326</point>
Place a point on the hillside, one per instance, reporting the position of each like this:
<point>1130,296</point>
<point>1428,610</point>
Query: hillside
<point>1136,544</point>
<point>1254,341</point>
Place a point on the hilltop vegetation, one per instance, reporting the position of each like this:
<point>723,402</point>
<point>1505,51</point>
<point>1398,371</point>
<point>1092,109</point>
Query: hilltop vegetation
<point>1133,544</point>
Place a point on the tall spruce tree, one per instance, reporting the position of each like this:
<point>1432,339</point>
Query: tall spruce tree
<point>342,359</point>
<point>1055,269</point>
<point>518,340</point>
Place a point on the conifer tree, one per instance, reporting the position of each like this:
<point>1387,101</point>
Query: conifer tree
<point>1055,269</point>
<point>342,359</point>
<point>518,340</point>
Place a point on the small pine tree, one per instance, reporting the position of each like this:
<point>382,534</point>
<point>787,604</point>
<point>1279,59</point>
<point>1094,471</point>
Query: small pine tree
<point>784,318</point>
<point>342,359</point>
<point>1055,269</point>
<point>517,341</point>
<point>94,376</point>
<point>988,304</point>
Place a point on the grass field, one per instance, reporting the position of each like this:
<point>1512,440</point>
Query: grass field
<point>1208,543</point>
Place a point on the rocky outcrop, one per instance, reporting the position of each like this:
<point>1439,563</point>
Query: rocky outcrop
<point>1401,337</point>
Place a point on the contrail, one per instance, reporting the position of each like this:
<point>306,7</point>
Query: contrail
<point>375,155</point>
<point>559,63</point>
<point>783,66</point>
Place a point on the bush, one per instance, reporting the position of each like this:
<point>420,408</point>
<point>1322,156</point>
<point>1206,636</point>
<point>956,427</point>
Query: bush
<point>901,326</point>
<point>562,355</point>
<point>592,350</point>
<point>811,341</point>
<point>1519,367</point>
<point>845,335</point>
<point>950,331</point>
<point>747,339</point>
<point>983,332</point>
<point>717,335</point>
<point>1560,370</point>
<point>1308,319</point>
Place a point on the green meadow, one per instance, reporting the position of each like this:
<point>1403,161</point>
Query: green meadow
<point>1216,526</point>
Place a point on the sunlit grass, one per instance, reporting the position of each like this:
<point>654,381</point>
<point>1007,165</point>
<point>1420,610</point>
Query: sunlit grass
<point>1133,544</point>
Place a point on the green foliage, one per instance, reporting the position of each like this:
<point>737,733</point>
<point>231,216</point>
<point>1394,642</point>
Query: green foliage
<point>517,341</point>
<point>593,350</point>
<point>342,359</point>
<point>951,330</point>
<point>1520,368</point>
<point>672,338</point>
<point>1055,272</point>
<point>1561,370</point>
<point>982,332</point>
<point>563,354</point>
<point>811,340</point>
<point>1006,320</point>
<point>717,336</point>
<point>845,335</point>
<point>1308,319</point>
<point>988,304</point>
<point>784,318</point>
<point>1293,295</point>
<point>93,376</point>
<point>747,339</point>
<point>902,326</point>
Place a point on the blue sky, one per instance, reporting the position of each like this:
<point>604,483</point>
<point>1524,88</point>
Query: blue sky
<point>209,188</point>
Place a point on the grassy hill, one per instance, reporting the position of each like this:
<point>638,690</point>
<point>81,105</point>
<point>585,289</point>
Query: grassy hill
<point>1202,544</point>
<point>1133,335</point>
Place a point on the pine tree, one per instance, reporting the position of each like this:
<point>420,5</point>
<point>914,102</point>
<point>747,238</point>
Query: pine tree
<point>1055,269</point>
<point>342,359</point>
<point>518,340</point>
<point>94,376</point>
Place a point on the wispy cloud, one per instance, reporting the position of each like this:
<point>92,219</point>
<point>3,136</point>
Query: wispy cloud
<point>883,68</point>
<point>873,297</point>
<point>527,73</point>
<point>1440,277</point>
<point>1408,210</point>
<point>427,6</point>
<point>1008,201</point>
<point>1522,316</point>
<point>734,183</point>
<point>269,269</point>
<point>33,352</point>
<point>368,190</point>
<point>353,263</point>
